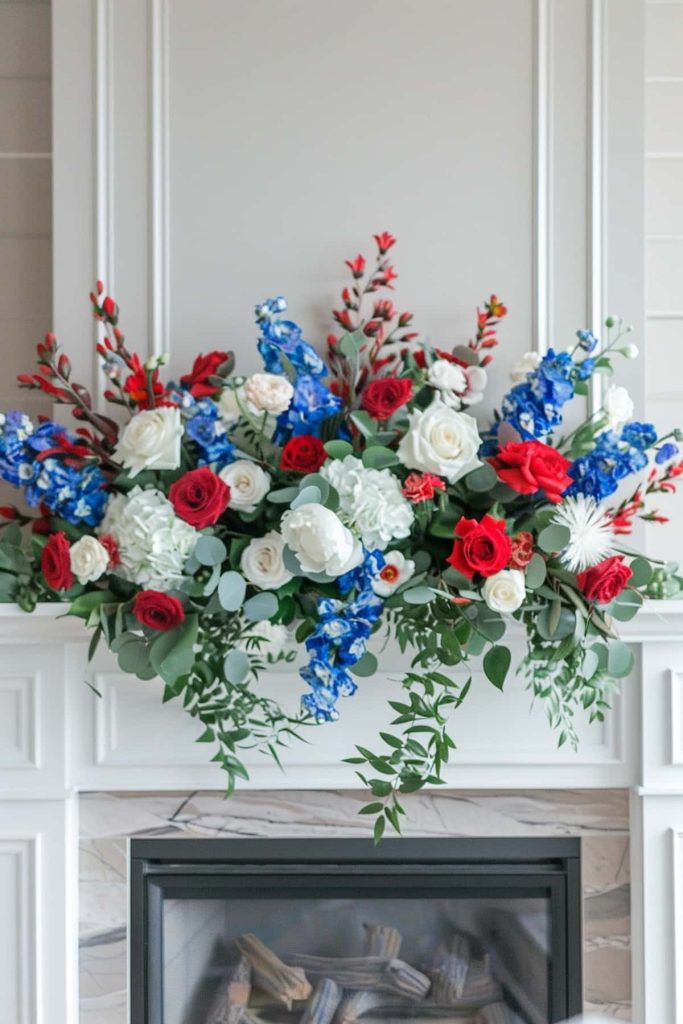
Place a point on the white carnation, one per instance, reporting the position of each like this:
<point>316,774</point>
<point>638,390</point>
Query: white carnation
<point>248,484</point>
<point>370,500</point>
<point>268,392</point>
<point>524,366</point>
<point>320,540</point>
<point>151,440</point>
<point>441,440</point>
<point>505,590</point>
<point>89,559</point>
<point>617,406</point>
<point>262,562</point>
<point>153,542</point>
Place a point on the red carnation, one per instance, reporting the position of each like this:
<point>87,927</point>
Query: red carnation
<point>531,466</point>
<point>200,497</point>
<point>480,547</point>
<point>604,581</point>
<point>422,486</point>
<point>304,454</point>
<point>56,563</point>
<point>382,397</point>
<point>522,550</point>
<point>109,543</point>
<point>158,610</point>
<point>197,381</point>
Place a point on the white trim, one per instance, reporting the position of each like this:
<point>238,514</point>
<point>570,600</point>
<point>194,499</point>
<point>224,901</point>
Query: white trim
<point>596,186</point>
<point>543,175</point>
<point>677,937</point>
<point>159,197</point>
<point>104,143</point>
<point>675,678</point>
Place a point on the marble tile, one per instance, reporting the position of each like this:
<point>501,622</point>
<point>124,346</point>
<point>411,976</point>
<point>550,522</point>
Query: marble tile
<point>108,820</point>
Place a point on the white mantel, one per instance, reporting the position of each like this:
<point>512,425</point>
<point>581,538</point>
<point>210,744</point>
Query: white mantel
<point>58,739</point>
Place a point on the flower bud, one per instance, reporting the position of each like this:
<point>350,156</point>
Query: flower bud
<point>610,321</point>
<point>100,287</point>
<point>630,351</point>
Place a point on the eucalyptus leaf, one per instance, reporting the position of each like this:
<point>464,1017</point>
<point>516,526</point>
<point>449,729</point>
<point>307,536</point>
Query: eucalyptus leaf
<point>620,659</point>
<point>210,550</point>
<point>365,666</point>
<point>553,538</point>
<point>377,457</point>
<point>307,496</point>
<point>236,667</point>
<point>338,449</point>
<point>641,572</point>
<point>418,595</point>
<point>261,606</point>
<point>231,590</point>
<point>283,496</point>
<point>535,572</point>
<point>482,479</point>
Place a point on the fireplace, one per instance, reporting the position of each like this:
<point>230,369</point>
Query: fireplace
<point>324,931</point>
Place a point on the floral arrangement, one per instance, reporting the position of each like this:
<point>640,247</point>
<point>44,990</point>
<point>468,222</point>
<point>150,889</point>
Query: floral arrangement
<point>210,527</point>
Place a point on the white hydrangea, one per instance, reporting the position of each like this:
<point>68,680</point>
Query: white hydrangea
<point>370,500</point>
<point>153,542</point>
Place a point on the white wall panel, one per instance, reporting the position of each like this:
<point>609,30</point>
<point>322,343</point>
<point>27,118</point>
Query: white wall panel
<point>18,935</point>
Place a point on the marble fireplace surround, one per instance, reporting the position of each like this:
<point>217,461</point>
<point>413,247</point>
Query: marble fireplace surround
<point>108,820</point>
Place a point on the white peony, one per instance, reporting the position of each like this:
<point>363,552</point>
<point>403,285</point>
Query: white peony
<point>505,590</point>
<point>151,440</point>
<point>89,559</point>
<point>458,385</point>
<point>262,562</point>
<point>526,365</point>
<point>248,484</point>
<point>617,406</point>
<point>268,392</point>
<point>441,440</point>
<point>153,542</point>
<point>370,500</point>
<point>320,540</point>
<point>397,570</point>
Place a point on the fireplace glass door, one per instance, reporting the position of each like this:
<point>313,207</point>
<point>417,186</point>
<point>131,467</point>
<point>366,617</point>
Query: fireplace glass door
<point>410,932</point>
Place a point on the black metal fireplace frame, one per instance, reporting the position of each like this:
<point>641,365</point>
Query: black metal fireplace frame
<point>211,868</point>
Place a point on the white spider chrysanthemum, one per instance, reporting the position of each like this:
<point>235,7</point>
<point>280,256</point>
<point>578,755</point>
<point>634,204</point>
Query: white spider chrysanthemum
<point>591,538</point>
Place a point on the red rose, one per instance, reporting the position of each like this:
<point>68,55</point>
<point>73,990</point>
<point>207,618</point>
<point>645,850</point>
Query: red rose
<point>382,397</point>
<point>531,466</point>
<point>200,497</point>
<point>522,550</point>
<point>480,547</point>
<point>421,486</point>
<point>204,367</point>
<point>56,563</point>
<point>158,610</point>
<point>304,454</point>
<point>604,581</point>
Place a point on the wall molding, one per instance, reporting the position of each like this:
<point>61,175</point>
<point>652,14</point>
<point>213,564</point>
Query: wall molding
<point>597,172</point>
<point>159,182</point>
<point>26,752</point>
<point>543,174</point>
<point>24,851</point>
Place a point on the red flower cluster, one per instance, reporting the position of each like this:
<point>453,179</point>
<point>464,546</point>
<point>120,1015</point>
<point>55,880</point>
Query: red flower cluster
<point>604,581</point>
<point>522,550</point>
<point>481,547</point>
<point>383,397</point>
<point>199,497</point>
<point>422,486</point>
<point>157,610</point>
<point>303,454</point>
<point>204,366</point>
<point>531,466</point>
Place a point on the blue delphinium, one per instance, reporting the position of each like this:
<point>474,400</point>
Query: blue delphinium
<point>615,456</point>
<point>205,426</point>
<point>71,488</point>
<point>534,407</point>
<point>340,637</point>
<point>587,341</point>
<point>666,452</point>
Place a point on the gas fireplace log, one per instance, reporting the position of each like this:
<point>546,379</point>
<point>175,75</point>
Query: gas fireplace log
<point>494,1013</point>
<point>459,978</point>
<point>356,1004</point>
<point>382,940</point>
<point>284,983</point>
<point>385,974</point>
<point>321,1007</point>
<point>232,996</point>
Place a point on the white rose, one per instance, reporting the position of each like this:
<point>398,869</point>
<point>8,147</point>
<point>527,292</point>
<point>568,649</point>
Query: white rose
<point>262,562</point>
<point>151,441</point>
<point>89,559</point>
<point>504,591</point>
<point>320,540</point>
<point>617,406</point>
<point>371,500</point>
<point>248,484</point>
<point>268,392</point>
<point>397,570</point>
<point>526,365</point>
<point>441,440</point>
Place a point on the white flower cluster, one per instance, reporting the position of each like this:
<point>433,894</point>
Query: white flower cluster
<point>457,385</point>
<point>153,542</point>
<point>441,440</point>
<point>370,500</point>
